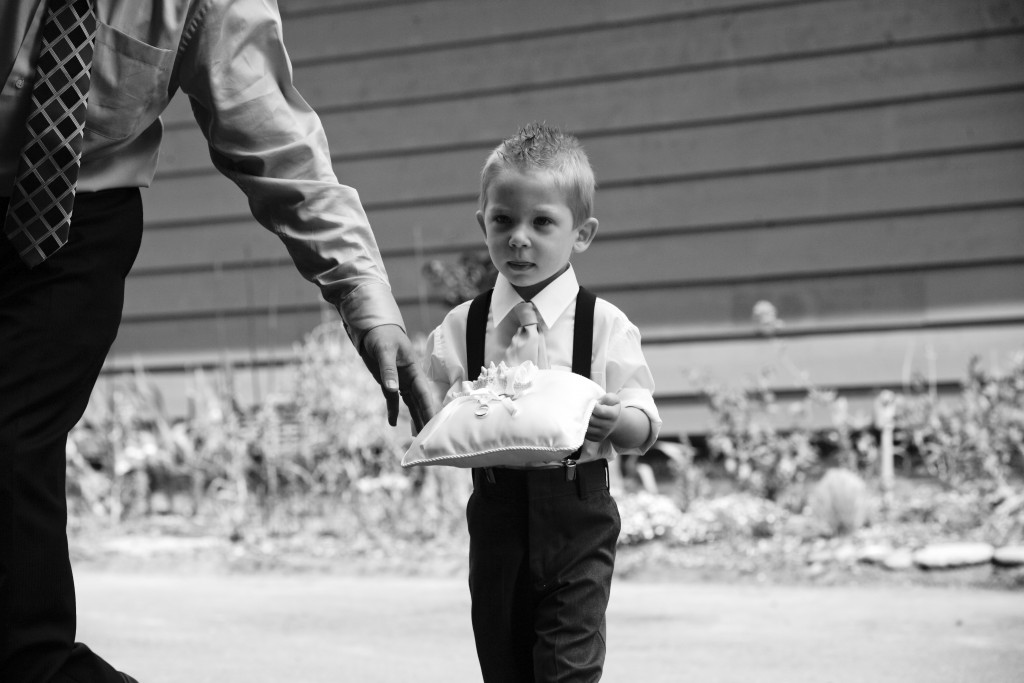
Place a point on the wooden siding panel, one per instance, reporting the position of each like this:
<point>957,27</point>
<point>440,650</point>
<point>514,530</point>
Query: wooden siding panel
<point>625,51</point>
<point>895,128</point>
<point>466,64</point>
<point>759,254</point>
<point>332,34</point>
<point>866,360</point>
<point>854,300</point>
<point>930,239</point>
<point>954,181</point>
<point>824,302</point>
<point>755,89</point>
<point>946,180</point>
<point>209,335</point>
<point>750,90</point>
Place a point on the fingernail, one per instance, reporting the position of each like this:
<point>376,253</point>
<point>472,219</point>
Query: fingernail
<point>391,385</point>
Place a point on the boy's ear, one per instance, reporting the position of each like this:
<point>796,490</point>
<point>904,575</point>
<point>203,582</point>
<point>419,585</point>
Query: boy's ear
<point>585,235</point>
<point>480,220</point>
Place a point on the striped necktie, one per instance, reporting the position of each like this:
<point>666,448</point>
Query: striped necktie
<point>43,197</point>
<point>527,343</point>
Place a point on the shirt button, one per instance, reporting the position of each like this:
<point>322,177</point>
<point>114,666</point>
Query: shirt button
<point>20,83</point>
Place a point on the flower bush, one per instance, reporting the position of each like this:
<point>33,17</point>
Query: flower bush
<point>647,516</point>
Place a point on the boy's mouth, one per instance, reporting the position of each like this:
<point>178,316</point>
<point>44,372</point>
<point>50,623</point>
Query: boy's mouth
<point>520,265</point>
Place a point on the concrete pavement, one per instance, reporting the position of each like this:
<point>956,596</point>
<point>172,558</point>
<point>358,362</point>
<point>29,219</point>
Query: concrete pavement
<point>314,628</point>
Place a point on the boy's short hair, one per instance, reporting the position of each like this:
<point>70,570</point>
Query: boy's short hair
<point>538,146</point>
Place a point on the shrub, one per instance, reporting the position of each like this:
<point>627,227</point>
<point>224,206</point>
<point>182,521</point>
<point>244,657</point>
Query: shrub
<point>977,440</point>
<point>462,280</point>
<point>759,455</point>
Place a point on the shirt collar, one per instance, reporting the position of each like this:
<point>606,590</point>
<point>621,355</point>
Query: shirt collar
<point>551,301</point>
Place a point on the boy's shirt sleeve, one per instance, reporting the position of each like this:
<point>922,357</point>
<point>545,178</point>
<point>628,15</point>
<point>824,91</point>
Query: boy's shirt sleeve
<point>442,362</point>
<point>627,374</point>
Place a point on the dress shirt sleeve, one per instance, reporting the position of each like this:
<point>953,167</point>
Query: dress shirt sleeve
<point>442,361</point>
<point>233,66</point>
<point>628,375</point>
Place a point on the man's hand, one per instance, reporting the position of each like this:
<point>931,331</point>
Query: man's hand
<point>605,418</point>
<point>387,353</point>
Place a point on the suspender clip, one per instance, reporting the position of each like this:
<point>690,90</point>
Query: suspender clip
<point>570,469</point>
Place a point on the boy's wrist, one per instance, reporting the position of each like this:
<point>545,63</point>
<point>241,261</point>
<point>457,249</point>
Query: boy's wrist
<point>631,429</point>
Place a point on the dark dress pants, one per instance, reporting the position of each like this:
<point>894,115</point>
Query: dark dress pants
<point>541,555</point>
<point>57,322</point>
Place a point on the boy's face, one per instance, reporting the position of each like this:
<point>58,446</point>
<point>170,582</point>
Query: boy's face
<point>529,229</point>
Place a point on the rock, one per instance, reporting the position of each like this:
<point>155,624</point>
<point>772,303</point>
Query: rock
<point>845,554</point>
<point>839,501</point>
<point>874,554</point>
<point>899,560</point>
<point>951,555</point>
<point>1009,556</point>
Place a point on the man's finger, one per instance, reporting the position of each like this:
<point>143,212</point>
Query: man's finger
<point>416,394</point>
<point>391,398</point>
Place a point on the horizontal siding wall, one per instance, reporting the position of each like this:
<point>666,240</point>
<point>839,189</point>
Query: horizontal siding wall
<point>859,163</point>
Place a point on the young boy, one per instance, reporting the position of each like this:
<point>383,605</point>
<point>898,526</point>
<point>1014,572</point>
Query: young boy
<point>542,538</point>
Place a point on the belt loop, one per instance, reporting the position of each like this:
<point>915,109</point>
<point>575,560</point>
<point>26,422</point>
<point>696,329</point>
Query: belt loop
<point>489,473</point>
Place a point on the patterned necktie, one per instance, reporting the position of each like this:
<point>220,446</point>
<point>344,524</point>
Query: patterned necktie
<point>43,196</point>
<point>526,344</point>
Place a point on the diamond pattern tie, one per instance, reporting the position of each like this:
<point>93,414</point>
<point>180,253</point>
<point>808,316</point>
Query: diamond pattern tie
<point>43,196</point>
<point>526,344</point>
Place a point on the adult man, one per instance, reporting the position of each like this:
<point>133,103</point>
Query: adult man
<point>62,277</point>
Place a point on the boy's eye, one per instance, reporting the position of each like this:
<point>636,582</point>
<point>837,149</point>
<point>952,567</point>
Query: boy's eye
<point>501,219</point>
<point>542,220</point>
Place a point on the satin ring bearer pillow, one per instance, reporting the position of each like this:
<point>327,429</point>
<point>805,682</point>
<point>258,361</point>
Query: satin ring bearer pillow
<point>509,416</point>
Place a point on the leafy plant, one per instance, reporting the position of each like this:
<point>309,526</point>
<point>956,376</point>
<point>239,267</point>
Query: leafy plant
<point>977,440</point>
<point>462,280</point>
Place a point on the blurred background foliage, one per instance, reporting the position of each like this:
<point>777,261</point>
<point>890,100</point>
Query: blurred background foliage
<point>319,455</point>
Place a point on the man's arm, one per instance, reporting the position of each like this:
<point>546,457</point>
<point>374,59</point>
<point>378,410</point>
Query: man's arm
<point>263,136</point>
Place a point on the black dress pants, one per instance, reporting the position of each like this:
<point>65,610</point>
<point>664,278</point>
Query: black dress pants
<point>57,322</point>
<point>541,555</point>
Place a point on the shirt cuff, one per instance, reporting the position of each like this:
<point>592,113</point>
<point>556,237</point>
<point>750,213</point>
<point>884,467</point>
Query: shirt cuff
<point>642,399</point>
<point>366,307</point>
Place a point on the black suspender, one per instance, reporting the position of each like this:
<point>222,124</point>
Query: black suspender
<point>476,333</point>
<point>583,333</point>
<point>582,344</point>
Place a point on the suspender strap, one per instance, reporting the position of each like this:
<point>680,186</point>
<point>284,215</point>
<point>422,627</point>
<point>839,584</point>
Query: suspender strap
<point>583,333</point>
<point>476,333</point>
<point>582,350</point>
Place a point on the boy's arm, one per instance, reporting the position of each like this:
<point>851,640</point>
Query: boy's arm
<point>626,415</point>
<point>626,426</point>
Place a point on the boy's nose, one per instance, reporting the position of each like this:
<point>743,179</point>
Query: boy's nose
<point>518,237</point>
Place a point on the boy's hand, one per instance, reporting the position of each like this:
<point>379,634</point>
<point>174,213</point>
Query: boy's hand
<point>388,354</point>
<point>604,418</point>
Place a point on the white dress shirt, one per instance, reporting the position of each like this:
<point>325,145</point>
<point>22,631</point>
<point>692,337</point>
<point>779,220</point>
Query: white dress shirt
<point>229,58</point>
<point>618,363</point>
